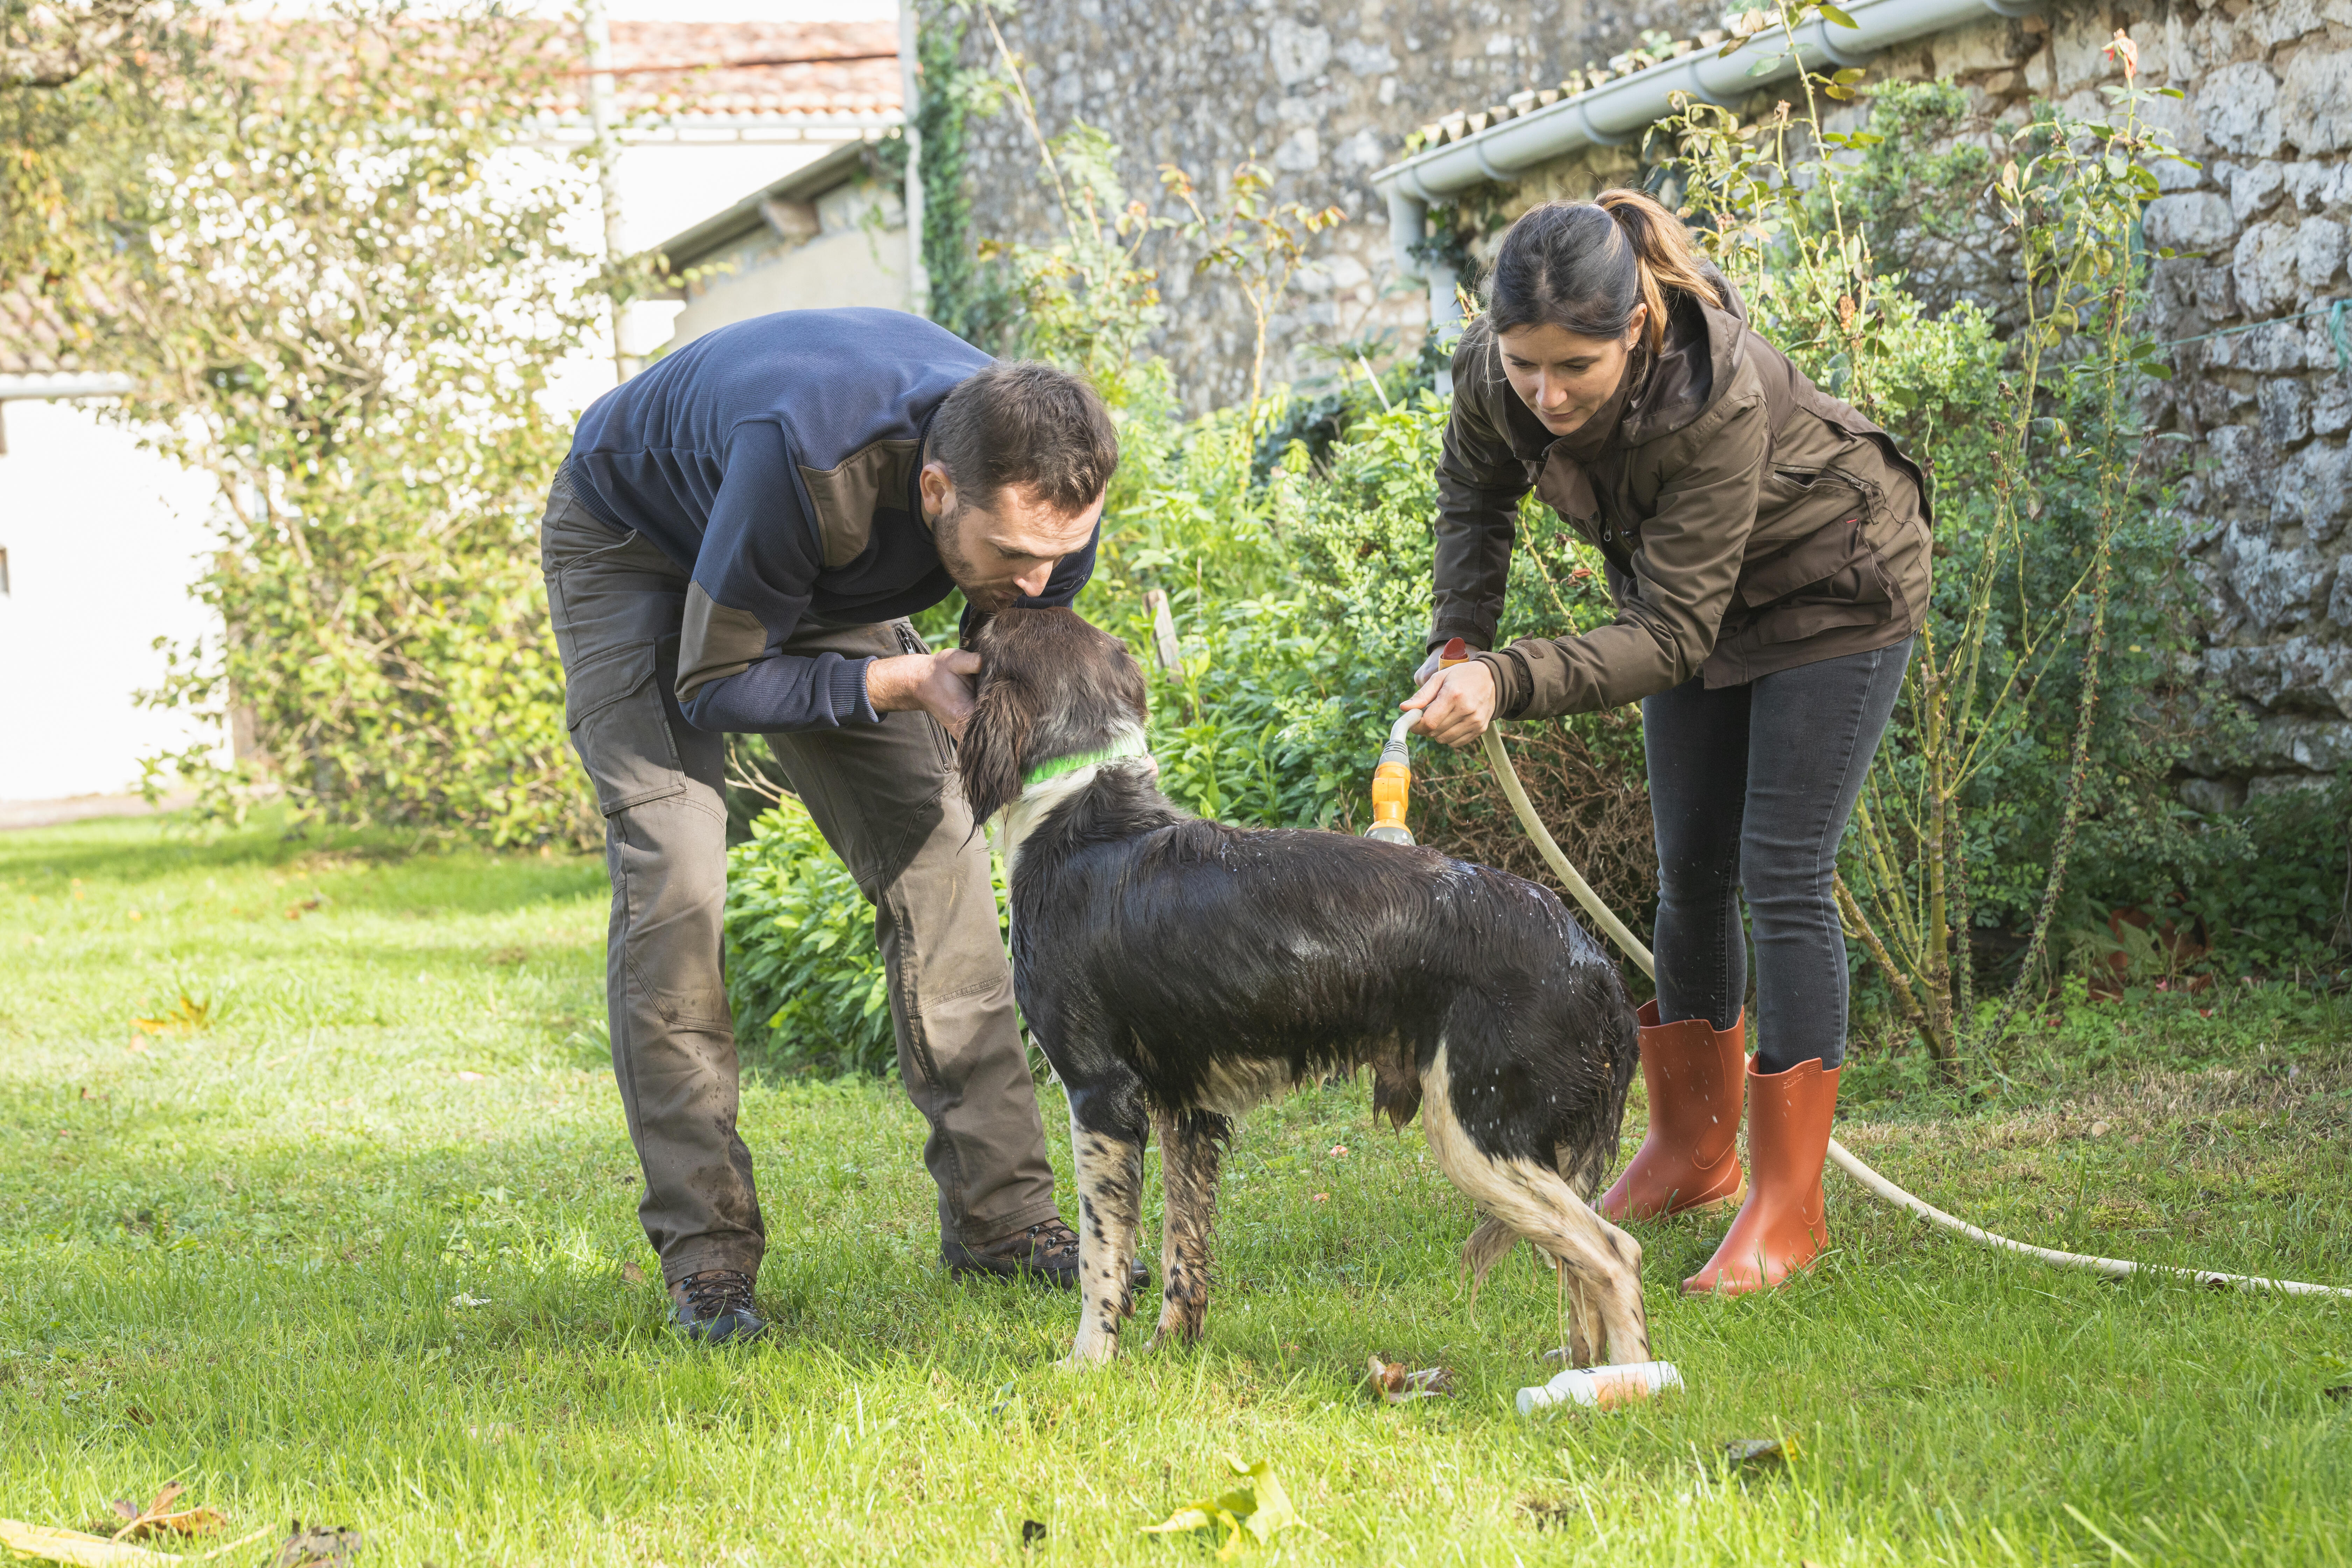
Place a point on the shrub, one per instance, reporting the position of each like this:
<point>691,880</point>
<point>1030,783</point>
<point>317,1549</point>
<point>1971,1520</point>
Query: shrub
<point>336,279</point>
<point>805,976</point>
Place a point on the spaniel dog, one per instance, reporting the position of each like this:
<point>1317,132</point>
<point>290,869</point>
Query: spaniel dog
<point>1177,972</point>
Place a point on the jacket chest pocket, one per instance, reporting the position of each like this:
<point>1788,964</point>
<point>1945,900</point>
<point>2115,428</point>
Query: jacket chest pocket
<point>1838,577</point>
<point>620,727</point>
<point>1793,503</point>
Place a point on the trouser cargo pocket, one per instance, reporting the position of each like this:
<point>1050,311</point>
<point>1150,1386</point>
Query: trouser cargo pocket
<point>620,728</point>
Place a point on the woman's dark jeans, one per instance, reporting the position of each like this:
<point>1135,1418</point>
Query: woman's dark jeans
<point>1751,786</point>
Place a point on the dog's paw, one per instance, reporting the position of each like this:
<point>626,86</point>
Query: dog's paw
<point>1175,1330</point>
<point>1085,1356</point>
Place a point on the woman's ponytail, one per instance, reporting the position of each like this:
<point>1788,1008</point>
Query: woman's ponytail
<point>1584,265</point>
<point>1661,253</point>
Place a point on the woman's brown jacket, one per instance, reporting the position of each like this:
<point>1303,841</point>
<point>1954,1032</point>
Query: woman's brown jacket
<point>1750,521</point>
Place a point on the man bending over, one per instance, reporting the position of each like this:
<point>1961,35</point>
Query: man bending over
<point>735,543</point>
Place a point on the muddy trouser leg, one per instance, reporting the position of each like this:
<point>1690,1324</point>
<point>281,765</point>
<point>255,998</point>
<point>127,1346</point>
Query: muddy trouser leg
<point>882,796</point>
<point>617,604</point>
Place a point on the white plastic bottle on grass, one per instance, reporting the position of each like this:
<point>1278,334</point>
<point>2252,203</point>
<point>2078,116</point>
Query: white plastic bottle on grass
<point>1603,1387</point>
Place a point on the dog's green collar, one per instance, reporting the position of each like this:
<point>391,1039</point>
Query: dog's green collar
<point>1130,745</point>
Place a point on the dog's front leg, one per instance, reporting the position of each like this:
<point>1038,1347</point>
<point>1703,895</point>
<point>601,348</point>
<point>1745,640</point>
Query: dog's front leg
<point>1108,1129</point>
<point>1192,1152</point>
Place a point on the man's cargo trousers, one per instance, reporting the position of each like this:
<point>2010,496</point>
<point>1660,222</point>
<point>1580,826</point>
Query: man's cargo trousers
<point>884,798</point>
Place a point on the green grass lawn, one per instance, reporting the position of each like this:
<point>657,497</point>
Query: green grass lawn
<point>361,1250</point>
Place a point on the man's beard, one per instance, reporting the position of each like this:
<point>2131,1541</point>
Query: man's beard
<point>947,538</point>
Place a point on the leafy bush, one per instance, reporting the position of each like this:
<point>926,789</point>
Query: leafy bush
<point>804,976</point>
<point>335,274</point>
<point>2276,894</point>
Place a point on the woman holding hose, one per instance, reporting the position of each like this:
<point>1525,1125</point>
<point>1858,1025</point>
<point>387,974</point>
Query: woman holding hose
<point>1767,550</point>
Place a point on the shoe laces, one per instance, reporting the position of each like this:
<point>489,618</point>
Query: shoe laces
<point>715,1292</point>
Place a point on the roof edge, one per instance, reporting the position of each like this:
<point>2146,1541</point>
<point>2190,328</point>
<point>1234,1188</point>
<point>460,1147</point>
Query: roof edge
<point>806,183</point>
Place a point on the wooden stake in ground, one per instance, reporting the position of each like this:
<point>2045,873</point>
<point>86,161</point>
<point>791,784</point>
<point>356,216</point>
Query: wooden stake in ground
<point>1163,631</point>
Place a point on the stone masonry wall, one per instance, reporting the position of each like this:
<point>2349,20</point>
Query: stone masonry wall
<point>1322,91</point>
<point>2260,230</point>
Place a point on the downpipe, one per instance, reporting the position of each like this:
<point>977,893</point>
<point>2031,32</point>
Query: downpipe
<point>1391,793</point>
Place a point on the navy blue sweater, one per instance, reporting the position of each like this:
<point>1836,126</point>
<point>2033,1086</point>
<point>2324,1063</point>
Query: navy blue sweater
<point>775,461</point>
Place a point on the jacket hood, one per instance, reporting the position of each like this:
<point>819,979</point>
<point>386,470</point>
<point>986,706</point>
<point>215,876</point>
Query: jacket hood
<point>1706,348</point>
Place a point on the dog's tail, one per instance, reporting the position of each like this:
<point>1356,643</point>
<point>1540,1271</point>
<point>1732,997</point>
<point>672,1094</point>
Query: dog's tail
<point>1490,1244</point>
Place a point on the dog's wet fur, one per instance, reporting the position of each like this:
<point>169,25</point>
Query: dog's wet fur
<point>1177,972</point>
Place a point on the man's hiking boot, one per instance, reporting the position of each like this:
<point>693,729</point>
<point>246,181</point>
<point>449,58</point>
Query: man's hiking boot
<point>1046,1251</point>
<point>714,1307</point>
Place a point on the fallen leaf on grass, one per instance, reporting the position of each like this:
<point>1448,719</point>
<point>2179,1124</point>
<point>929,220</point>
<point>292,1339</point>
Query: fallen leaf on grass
<point>1761,1455</point>
<point>73,1546</point>
<point>157,1518</point>
<point>1321,1198</point>
<point>1254,1509</point>
<point>1033,1530</point>
<point>188,1017</point>
<point>631,1274</point>
<point>296,912</point>
<point>1397,1385</point>
<point>318,1547</point>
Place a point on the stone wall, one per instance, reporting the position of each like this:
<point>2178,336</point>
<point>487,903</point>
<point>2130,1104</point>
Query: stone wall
<point>1330,91</point>
<point>1322,91</point>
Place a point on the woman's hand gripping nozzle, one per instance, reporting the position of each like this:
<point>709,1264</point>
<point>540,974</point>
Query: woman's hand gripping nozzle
<point>1392,778</point>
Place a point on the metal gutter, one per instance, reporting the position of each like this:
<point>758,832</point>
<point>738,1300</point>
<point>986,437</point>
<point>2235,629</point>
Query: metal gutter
<point>61,383</point>
<point>1619,111</point>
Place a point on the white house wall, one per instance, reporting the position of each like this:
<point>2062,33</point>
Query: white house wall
<point>103,539</point>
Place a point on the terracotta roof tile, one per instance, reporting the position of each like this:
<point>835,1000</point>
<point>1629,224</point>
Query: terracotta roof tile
<point>688,68</point>
<point>1454,126</point>
<point>33,341</point>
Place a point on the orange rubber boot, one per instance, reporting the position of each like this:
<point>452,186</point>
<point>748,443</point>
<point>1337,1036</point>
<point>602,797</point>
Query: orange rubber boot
<point>1783,1225</point>
<point>1690,1157</point>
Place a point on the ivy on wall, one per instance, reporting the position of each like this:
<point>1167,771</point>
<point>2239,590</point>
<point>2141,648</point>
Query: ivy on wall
<point>966,296</point>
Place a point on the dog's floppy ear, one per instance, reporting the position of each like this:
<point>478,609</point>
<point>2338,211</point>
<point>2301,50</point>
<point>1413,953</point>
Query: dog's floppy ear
<point>996,739</point>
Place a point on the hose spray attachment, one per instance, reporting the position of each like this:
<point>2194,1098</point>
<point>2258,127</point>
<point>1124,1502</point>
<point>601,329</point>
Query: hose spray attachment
<point>1392,778</point>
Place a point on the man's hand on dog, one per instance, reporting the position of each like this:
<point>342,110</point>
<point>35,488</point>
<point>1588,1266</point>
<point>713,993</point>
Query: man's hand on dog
<point>1455,705</point>
<point>940,684</point>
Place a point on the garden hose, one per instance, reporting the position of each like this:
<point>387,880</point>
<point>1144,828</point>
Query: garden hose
<point>1398,784</point>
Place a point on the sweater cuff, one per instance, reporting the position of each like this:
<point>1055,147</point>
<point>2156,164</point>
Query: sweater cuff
<point>846,682</point>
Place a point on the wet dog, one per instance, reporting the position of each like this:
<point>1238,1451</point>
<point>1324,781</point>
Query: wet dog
<point>1177,973</point>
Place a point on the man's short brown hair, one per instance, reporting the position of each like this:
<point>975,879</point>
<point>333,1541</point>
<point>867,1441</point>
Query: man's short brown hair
<point>1026,425</point>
